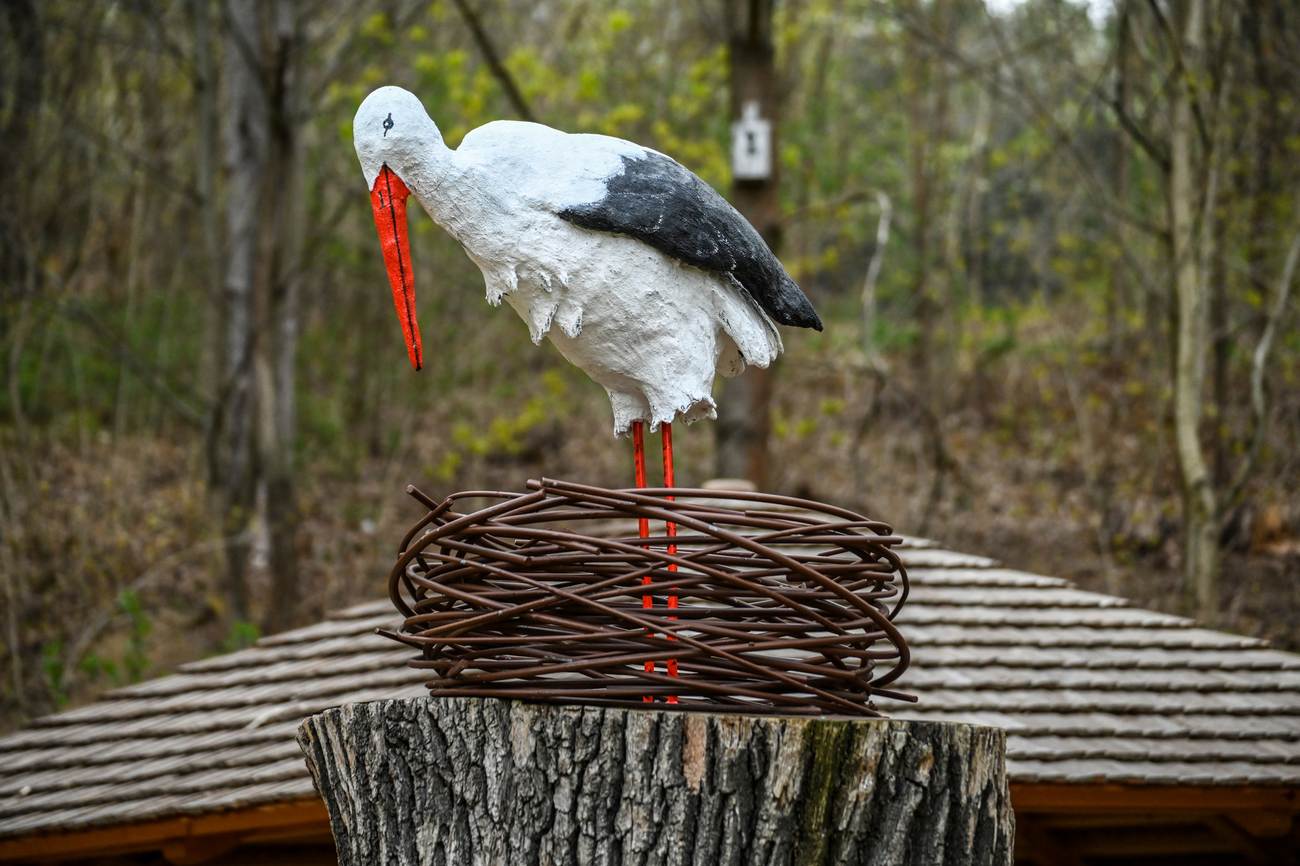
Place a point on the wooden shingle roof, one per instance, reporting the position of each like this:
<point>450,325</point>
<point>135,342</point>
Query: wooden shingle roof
<point>1090,689</point>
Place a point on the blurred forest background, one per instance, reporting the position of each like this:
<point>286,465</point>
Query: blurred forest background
<point>1054,243</point>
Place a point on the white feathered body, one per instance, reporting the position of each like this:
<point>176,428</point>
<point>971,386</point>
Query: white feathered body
<point>651,330</point>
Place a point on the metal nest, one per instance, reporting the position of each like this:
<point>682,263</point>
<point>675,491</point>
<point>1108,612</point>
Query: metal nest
<point>779,605</point>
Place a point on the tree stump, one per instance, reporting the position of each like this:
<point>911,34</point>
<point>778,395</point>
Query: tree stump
<point>462,781</point>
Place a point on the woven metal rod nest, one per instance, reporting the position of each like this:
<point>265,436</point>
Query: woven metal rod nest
<point>758,604</point>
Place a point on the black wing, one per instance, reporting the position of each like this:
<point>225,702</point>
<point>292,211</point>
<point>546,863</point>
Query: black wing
<point>662,203</point>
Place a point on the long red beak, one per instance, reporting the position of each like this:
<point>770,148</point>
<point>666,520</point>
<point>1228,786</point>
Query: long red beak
<point>388,198</point>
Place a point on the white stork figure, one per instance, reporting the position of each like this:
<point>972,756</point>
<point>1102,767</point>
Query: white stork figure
<point>638,271</point>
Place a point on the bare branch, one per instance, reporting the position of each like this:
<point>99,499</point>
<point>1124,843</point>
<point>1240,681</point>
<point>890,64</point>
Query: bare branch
<point>1181,71</point>
<point>873,273</point>
<point>1156,153</point>
<point>493,60</point>
<point>1258,366</point>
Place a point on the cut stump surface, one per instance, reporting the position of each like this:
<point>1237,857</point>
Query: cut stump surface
<point>462,781</point>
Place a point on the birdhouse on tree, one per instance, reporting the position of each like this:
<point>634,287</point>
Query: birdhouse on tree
<point>751,145</point>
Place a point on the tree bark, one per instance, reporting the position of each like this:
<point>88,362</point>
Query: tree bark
<point>22,40</point>
<point>1200,506</point>
<point>471,781</point>
<point>253,430</point>
<point>231,469</point>
<point>1117,288</point>
<point>282,268</point>
<point>207,110</point>
<point>927,125</point>
<point>745,402</point>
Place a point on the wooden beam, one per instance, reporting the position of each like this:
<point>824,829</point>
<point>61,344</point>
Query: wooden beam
<point>195,850</point>
<point>1033,797</point>
<point>1251,848</point>
<point>1135,842</point>
<point>1267,824</point>
<point>1088,820</point>
<point>1036,843</point>
<point>296,833</point>
<point>304,817</point>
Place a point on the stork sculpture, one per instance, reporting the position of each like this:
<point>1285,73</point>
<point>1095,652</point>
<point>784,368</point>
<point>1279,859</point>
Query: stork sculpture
<point>639,272</point>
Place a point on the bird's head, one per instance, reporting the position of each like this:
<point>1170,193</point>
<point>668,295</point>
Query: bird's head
<point>397,145</point>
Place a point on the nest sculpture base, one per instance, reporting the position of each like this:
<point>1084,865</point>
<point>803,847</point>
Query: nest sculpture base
<point>758,604</point>
<point>465,781</point>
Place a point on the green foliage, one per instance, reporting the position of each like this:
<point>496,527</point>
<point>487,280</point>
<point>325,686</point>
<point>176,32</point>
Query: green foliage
<point>135,661</point>
<point>131,667</point>
<point>52,668</point>
<point>242,634</point>
<point>96,668</point>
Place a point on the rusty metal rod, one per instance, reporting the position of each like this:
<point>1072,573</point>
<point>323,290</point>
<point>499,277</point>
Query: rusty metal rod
<point>783,604</point>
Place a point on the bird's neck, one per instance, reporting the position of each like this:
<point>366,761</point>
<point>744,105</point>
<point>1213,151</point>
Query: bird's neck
<point>434,181</point>
<point>425,168</point>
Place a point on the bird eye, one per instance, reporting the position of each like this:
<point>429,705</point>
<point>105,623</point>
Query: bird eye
<point>388,124</point>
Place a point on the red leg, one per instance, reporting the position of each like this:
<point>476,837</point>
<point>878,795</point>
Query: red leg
<point>666,432</point>
<point>638,463</point>
<point>638,466</point>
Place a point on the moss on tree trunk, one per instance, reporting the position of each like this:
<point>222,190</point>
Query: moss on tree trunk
<point>472,781</point>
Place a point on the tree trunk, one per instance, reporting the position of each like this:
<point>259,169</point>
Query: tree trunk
<point>1117,305</point>
<point>927,124</point>
<point>745,402</point>
<point>21,90</point>
<point>283,264</point>
<point>471,781</point>
<point>1191,343</point>
<point>207,110</point>
<point>231,453</point>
